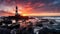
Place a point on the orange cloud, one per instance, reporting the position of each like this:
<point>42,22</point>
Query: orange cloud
<point>25,9</point>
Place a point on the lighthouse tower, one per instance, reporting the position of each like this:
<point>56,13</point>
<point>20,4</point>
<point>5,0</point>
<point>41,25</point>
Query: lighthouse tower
<point>16,14</point>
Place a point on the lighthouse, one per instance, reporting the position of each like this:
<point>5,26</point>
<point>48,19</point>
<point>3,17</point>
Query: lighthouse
<point>16,12</point>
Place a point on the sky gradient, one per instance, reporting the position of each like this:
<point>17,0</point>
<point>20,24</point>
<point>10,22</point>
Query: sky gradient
<point>30,7</point>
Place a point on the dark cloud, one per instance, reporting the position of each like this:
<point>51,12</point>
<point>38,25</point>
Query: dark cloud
<point>5,13</point>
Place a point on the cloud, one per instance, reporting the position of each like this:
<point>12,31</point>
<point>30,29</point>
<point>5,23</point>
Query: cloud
<point>5,13</point>
<point>34,6</point>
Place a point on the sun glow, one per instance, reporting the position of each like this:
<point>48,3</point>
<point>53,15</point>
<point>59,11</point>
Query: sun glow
<point>42,14</point>
<point>24,14</point>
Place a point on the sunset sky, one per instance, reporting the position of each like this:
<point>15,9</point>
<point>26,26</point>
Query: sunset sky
<point>30,7</point>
